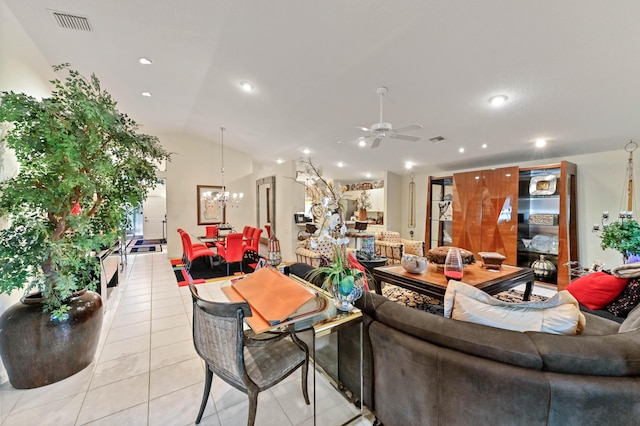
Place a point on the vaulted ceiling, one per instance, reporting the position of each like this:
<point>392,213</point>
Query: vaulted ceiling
<point>570,70</point>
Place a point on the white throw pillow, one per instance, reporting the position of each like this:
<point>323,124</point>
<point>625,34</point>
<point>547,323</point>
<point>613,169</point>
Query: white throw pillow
<point>558,315</point>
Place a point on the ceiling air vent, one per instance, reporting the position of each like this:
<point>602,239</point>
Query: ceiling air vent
<point>436,139</point>
<point>71,22</point>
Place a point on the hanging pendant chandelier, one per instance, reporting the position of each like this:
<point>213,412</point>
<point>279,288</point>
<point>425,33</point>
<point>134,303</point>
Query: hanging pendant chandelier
<point>223,198</point>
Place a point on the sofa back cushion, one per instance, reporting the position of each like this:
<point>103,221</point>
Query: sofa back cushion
<point>632,323</point>
<point>505,346</point>
<point>559,315</point>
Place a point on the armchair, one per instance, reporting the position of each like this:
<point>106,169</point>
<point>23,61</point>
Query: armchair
<point>316,257</point>
<point>392,246</point>
<point>250,365</point>
<point>389,245</point>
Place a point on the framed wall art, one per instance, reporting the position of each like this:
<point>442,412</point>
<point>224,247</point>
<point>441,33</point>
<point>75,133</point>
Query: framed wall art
<point>209,211</point>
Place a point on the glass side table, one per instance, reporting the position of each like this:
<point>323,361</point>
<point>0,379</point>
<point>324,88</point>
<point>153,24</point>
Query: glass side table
<point>320,333</point>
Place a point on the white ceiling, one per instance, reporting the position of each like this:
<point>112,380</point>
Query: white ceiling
<point>571,70</point>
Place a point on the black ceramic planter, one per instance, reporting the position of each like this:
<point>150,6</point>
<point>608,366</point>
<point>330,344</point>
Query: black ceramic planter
<point>38,351</point>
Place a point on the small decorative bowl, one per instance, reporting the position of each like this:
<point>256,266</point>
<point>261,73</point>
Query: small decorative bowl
<point>491,259</point>
<point>414,264</point>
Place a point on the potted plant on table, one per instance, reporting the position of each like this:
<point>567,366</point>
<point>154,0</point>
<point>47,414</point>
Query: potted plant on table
<point>82,164</point>
<point>623,236</point>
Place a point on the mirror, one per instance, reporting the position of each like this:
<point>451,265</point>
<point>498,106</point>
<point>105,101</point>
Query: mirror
<point>266,200</point>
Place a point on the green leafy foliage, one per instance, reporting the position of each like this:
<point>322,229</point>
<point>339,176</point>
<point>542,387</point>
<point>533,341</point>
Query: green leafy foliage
<point>623,236</point>
<point>73,147</point>
<point>336,273</point>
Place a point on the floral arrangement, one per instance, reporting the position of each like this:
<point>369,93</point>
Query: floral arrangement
<point>363,201</point>
<point>327,207</point>
<point>339,277</point>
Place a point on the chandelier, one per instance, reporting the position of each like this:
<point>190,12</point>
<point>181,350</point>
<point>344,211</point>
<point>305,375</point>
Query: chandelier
<point>223,198</point>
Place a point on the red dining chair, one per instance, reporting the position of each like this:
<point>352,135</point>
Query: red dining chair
<point>211,231</point>
<point>247,231</point>
<point>232,251</point>
<point>191,252</point>
<point>254,242</point>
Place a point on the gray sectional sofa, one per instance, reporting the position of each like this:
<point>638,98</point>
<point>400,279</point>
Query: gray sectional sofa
<point>423,369</point>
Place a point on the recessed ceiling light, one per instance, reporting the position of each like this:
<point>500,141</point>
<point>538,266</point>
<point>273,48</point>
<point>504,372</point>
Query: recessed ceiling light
<point>484,146</point>
<point>460,150</point>
<point>146,94</point>
<point>362,143</point>
<point>279,161</point>
<point>498,100</point>
<point>540,143</point>
<point>408,165</point>
<point>367,175</point>
<point>145,61</point>
<point>340,164</point>
<point>247,86</point>
<point>306,151</point>
<point>339,142</point>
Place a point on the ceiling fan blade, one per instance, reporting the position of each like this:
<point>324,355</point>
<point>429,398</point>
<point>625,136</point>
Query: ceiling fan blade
<point>409,128</point>
<point>376,142</point>
<point>364,129</point>
<point>404,137</point>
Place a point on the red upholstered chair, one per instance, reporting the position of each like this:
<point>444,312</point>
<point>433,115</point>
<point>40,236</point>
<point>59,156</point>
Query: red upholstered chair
<point>254,242</point>
<point>211,231</point>
<point>247,231</point>
<point>231,251</point>
<point>191,252</point>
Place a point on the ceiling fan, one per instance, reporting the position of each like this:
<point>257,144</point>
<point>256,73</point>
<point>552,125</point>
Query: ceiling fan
<point>381,130</point>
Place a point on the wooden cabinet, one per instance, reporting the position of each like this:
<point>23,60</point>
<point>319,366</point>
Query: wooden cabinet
<point>439,212</point>
<point>485,211</point>
<point>520,213</point>
<point>547,219</point>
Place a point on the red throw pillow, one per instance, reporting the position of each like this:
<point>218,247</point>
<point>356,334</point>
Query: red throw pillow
<point>596,290</point>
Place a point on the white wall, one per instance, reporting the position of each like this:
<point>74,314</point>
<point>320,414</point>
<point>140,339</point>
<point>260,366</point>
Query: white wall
<point>196,162</point>
<point>600,179</point>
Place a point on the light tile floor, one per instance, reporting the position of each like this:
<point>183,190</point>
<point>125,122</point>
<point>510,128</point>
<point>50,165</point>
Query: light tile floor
<point>146,371</point>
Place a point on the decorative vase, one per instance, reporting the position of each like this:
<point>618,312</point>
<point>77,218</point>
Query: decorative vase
<point>347,291</point>
<point>362,214</point>
<point>413,264</point>
<point>543,268</point>
<point>453,264</point>
<point>38,350</point>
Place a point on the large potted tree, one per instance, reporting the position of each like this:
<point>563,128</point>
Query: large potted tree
<point>82,165</point>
